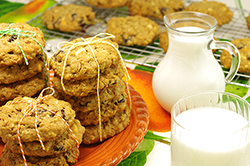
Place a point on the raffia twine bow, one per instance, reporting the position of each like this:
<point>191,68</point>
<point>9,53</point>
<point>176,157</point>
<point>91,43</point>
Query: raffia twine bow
<point>31,108</point>
<point>97,39</point>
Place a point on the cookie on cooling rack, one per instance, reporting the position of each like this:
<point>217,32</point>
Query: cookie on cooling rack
<point>133,30</point>
<point>248,21</point>
<point>107,3</point>
<point>163,40</point>
<point>216,9</point>
<point>243,46</point>
<point>68,18</point>
<point>32,46</point>
<point>155,8</point>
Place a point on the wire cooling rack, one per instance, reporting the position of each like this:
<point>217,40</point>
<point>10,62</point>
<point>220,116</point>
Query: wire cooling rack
<point>151,54</point>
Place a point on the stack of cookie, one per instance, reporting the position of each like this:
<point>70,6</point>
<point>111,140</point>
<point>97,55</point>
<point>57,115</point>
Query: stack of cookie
<point>89,75</point>
<point>57,130</point>
<point>22,71</point>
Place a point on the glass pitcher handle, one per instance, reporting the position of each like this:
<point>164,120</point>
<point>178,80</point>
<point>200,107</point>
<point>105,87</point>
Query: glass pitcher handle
<point>213,44</point>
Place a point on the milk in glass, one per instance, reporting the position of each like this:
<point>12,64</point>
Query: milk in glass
<point>212,137</point>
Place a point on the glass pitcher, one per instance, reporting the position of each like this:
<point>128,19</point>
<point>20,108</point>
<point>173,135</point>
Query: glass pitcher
<point>189,64</point>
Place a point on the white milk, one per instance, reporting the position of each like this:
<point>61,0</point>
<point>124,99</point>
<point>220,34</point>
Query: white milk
<point>188,66</point>
<point>212,141</point>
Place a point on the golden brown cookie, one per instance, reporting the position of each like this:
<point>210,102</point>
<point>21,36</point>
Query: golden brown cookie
<point>110,128</point>
<point>133,30</point>
<point>68,18</point>
<point>243,45</point>
<point>248,21</point>
<point>90,102</point>
<point>107,108</point>
<point>81,63</point>
<point>9,158</point>
<point>155,8</point>
<point>49,119</point>
<point>81,88</point>
<point>28,87</point>
<point>163,40</point>
<point>54,147</point>
<point>8,74</point>
<point>22,37</point>
<point>108,3</point>
<point>216,9</point>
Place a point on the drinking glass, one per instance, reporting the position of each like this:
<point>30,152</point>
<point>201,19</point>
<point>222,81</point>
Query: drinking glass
<point>210,128</point>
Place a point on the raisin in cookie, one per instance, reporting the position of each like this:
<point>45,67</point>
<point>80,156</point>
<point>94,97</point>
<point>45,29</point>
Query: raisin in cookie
<point>216,9</point>
<point>86,87</point>
<point>133,30</point>
<point>81,63</point>
<point>108,3</point>
<point>10,44</point>
<point>90,102</point>
<point>50,125</point>
<point>68,18</point>
<point>28,87</point>
<point>243,46</point>
<point>54,147</point>
<point>8,158</point>
<point>8,74</point>
<point>110,128</point>
<point>155,8</point>
<point>108,109</point>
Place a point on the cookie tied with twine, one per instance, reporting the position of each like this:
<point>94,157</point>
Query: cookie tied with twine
<point>20,43</point>
<point>83,45</point>
<point>42,119</point>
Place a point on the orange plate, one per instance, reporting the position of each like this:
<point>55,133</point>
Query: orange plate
<point>117,148</point>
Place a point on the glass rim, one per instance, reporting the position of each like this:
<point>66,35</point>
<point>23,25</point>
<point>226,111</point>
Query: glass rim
<point>193,13</point>
<point>207,92</point>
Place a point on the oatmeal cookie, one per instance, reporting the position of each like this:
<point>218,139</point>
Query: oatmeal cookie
<point>155,8</point>
<point>9,158</point>
<point>243,46</point>
<point>60,145</point>
<point>107,108</point>
<point>68,18</point>
<point>216,9</point>
<point>108,3</point>
<point>90,102</point>
<point>28,87</point>
<point>81,63</point>
<point>133,30</point>
<point>50,125</point>
<point>8,74</point>
<point>248,21</point>
<point>163,40</point>
<point>86,87</point>
<point>11,53</point>
<point>110,128</point>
